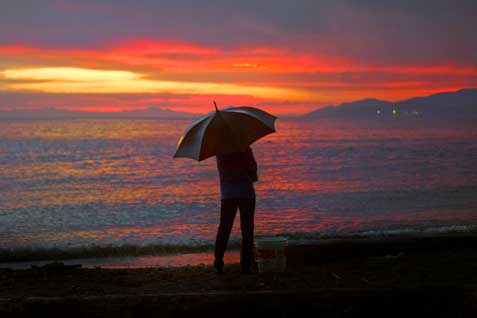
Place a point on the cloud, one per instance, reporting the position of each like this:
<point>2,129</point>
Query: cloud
<point>305,52</point>
<point>73,74</point>
<point>253,75</point>
<point>384,31</point>
<point>79,80</point>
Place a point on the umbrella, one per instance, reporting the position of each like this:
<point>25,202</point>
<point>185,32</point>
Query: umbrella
<point>224,131</point>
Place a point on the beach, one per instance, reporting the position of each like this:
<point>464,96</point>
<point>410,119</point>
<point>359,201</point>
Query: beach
<point>430,275</point>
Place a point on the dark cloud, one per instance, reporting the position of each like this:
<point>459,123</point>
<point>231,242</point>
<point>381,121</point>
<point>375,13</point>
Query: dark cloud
<point>383,31</point>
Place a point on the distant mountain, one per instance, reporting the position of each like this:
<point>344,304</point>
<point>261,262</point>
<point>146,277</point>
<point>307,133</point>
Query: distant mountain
<point>458,104</point>
<point>54,113</point>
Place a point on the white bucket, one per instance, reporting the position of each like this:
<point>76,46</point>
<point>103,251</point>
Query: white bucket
<point>270,254</point>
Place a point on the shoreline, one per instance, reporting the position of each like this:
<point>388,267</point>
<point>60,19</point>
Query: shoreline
<point>177,256</point>
<point>25,253</point>
<point>130,262</point>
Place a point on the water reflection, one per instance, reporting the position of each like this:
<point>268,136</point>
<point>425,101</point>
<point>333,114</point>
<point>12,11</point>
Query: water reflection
<point>81,182</point>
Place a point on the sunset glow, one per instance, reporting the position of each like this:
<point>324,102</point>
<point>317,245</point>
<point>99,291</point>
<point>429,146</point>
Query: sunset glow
<point>87,81</point>
<point>68,74</point>
<point>186,62</point>
<point>203,158</point>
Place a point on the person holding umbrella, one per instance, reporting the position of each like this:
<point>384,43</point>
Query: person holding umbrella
<point>228,134</point>
<point>237,172</point>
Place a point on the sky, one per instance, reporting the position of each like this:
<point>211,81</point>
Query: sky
<point>287,57</point>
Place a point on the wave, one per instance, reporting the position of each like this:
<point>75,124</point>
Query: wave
<point>96,251</point>
<point>294,238</point>
<point>303,238</point>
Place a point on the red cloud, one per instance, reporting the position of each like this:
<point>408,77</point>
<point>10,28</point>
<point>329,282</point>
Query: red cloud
<point>261,66</point>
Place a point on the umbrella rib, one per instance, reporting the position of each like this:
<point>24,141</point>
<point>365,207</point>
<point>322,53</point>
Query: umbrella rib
<point>209,119</point>
<point>234,136</point>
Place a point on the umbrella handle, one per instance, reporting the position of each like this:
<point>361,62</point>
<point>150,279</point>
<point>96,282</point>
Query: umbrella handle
<point>215,104</point>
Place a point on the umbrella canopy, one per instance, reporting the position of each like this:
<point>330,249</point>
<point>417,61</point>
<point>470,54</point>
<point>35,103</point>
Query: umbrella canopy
<point>224,131</point>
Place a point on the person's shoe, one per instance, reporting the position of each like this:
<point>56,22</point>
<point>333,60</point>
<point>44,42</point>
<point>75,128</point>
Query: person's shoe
<point>219,266</point>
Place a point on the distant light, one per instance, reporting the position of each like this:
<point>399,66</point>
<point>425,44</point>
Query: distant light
<point>378,111</point>
<point>394,111</point>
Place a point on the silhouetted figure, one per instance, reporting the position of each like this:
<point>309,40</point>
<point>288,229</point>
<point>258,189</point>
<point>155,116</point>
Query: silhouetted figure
<point>238,172</point>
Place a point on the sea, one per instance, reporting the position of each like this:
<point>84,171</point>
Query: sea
<point>108,183</point>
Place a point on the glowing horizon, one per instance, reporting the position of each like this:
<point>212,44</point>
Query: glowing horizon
<point>88,81</point>
<point>253,59</point>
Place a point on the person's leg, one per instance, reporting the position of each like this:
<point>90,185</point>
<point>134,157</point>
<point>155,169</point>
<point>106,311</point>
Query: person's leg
<point>247,211</point>
<point>228,209</point>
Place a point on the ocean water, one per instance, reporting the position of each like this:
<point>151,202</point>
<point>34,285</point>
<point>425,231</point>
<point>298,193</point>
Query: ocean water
<point>89,183</point>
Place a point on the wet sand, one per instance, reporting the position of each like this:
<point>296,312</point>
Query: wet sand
<point>129,262</point>
<point>427,276</point>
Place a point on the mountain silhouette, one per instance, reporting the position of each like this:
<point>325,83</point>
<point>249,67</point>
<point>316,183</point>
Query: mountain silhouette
<point>458,104</point>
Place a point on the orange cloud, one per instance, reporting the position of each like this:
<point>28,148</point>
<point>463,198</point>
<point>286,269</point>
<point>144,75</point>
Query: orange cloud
<point>87,81</point>
<point>238,75</point>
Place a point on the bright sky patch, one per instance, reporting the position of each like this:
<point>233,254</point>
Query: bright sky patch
<point>78,80</point>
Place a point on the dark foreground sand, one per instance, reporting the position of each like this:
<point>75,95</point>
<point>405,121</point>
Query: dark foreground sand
<point>421,276</point>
